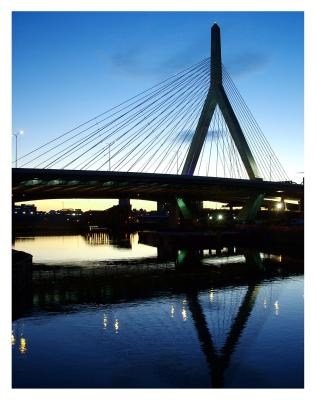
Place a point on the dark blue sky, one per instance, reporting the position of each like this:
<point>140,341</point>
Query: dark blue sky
<point>71,66</point>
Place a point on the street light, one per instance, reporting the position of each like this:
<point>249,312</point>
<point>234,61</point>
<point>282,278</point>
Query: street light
<point>110,156</point>
<point>302,172</point>
<point>108,146</point>
<point>109,153</point>
<point>280,205</point>
<point>19,133</point>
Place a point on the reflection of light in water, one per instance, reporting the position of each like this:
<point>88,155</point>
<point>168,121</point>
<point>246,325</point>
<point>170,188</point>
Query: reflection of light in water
<point>116,325</point>
<point>265,303</point>
<point>224,260</point>
<point>184,301</point>
<point>172,311</point>
<point>273,257</point>
<point>77,248</point>
<point>134,239</point>
<point>184,314</point>
<point>97,238</point>
<point>211,295</point>
<point>105,321</point>
<point>276,307</point>
<point>12,339</point>
<point>22,347</point>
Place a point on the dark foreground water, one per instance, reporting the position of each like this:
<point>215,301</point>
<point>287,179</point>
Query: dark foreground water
<point>102,313</point>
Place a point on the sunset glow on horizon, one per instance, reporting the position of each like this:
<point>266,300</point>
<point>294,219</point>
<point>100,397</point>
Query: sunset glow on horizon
<point>87,204</point>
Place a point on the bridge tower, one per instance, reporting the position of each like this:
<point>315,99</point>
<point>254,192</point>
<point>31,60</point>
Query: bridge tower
<point>217,97</point>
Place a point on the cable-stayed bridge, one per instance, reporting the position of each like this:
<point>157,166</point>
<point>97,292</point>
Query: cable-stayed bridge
<point>191,136</point>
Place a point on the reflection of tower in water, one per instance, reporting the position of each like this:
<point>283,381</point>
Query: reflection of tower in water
<point>220,324</point>
<point>221,317</point>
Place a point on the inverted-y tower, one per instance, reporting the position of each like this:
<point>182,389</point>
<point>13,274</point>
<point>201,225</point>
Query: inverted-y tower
<point>216,96</point>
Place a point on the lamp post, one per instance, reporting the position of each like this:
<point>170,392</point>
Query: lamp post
<point>19,133</point>
<point>302,172</point>
<point>109,156</point>
<point>109,148</point>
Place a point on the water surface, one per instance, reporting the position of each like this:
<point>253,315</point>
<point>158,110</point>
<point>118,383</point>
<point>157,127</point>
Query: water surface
<point>168,327</point>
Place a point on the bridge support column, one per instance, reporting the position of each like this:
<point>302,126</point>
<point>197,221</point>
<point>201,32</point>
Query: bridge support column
<point>190,211</point>
<point>254,261</point>
<point>250,209</point>
<point>174,215</point>
<point>165,250</point>
<point>181,211</point>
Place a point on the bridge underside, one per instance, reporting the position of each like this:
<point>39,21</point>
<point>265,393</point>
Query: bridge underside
<point>40,184</point>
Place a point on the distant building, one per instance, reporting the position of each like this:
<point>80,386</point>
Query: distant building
<point>25,209</point>
<point>74,212</point>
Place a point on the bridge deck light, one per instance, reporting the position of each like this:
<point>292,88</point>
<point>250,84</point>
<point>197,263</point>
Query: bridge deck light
<point>220,217</point>
<point>16,135</point>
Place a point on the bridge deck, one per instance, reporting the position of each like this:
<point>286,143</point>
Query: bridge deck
<point>37,184</point>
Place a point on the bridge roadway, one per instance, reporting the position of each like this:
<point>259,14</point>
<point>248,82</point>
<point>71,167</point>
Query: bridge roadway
<point>38,184</point>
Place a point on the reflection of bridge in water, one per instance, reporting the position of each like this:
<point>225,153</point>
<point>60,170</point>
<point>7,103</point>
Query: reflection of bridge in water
<point>195,122</point>
<point>219,321</point>
<point>218,359</point>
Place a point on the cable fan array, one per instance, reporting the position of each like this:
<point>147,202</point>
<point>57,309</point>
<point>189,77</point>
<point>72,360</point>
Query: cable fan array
<point>268,163</point>
<point>152,132</point>
<point>221,309</point>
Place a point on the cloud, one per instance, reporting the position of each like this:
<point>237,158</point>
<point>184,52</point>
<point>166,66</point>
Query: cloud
<point>127,61</point>
<point>189,55</point>
<point>246,63</point>
<point>187,136</point>
<point>144,61</point>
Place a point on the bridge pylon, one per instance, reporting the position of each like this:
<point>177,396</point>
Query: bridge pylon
<point>217,97</point>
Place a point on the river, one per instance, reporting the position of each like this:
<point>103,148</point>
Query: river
<point>110,312</point>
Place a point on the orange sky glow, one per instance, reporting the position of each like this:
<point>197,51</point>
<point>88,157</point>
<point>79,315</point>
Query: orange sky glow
<point>88,204</point>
